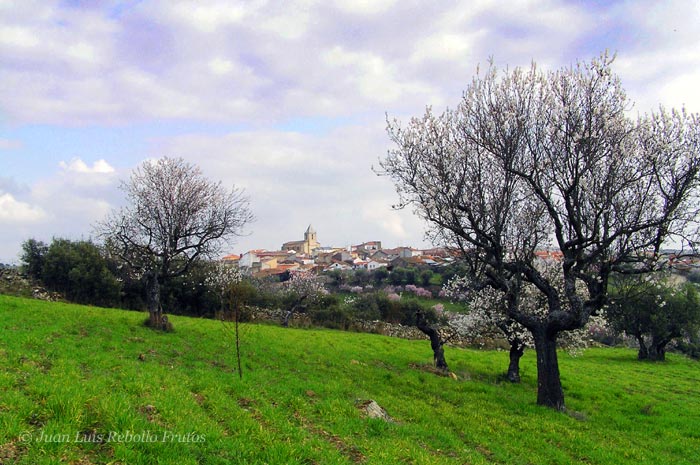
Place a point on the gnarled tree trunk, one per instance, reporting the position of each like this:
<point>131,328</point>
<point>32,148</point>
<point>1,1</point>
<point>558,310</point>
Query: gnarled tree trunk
<point>287,317</point>
<point>436,342</point>
<point>517,349</point>
<point>549,390</point>
<point>643,353</point>
<point>657,353</point>
<point>654,350</point>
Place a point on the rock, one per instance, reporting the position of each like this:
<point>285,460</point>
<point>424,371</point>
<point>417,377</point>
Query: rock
<point>373,410</point>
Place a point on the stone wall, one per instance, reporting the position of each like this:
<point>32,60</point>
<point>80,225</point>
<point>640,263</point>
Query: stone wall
<point>300,320</point>
<point>14,282</point>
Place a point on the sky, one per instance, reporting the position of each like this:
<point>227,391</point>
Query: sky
<point>285,99</point>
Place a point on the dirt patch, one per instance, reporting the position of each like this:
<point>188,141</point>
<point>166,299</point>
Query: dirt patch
<point>428,368</point>
<point>151,413</point>
<point>10,452</point>
<point>199,398</point>
<point>245,403</point>
<point>249,406</point>
<point>348,450</point>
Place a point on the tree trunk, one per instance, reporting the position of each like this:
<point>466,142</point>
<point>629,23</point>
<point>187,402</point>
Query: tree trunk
<point>436,342</point>
<point>657,353</point>
<point>657,350</point>
<point>155,311</point>
<point>516,352</point>
<point>643,353</point>
<point>296,307</point>
<point>439,355</point>
<point>287,316</point>
<point>238,340</point>
<point>549,390</point>
<point>517,348</point>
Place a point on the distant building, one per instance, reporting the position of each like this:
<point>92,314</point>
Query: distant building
<point>256,260</point>
<point>371,246</point>
<point>232,259</point>
<point>441,252</point>
<point>370,265</point>
<point>307,246</point>
<point>384,255</point>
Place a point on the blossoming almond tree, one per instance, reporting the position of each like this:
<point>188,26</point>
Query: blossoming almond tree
<point>301,289</point>
<point>488,316</point>
<point>174,217</point>
<point>221,277</point>
<point>530,160</point>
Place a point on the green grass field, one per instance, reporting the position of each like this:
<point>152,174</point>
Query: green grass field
<point>87,385</point>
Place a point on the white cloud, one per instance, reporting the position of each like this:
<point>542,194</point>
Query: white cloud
<point>364,7</point>
<point>16,212</point>
<point>375,79</point>
<point>19,37</point>
<point>221,66</point>
<point>77,165</point>
<point>208,17</point>
<point>270,61</point>
<point>448,46</point>
<point>672,81</point>
<point>83,52</point>
<point>391,223</point>
<point>290,24</point>
<point>67,203</point>
<point>681,91</point>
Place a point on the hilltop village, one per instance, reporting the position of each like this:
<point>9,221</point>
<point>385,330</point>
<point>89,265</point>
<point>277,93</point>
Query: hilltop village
<point>309,255</point>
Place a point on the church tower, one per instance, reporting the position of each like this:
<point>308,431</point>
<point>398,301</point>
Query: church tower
<point>310,235</point>
<point>307,246</point>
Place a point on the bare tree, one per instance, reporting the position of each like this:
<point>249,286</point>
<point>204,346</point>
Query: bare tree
<point>174,217</point>
<point>531,160</point>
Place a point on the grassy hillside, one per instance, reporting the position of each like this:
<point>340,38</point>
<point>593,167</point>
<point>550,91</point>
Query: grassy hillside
<point>86,385</point>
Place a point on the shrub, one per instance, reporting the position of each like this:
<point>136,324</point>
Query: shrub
<point>333,317</point>
<point>408,312</point>
<point>79,271</point>
<point>366,307</point>
<point>689,348</point>
<point>380,275</point>
<point>33,255</point>
<point>426,277</point>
